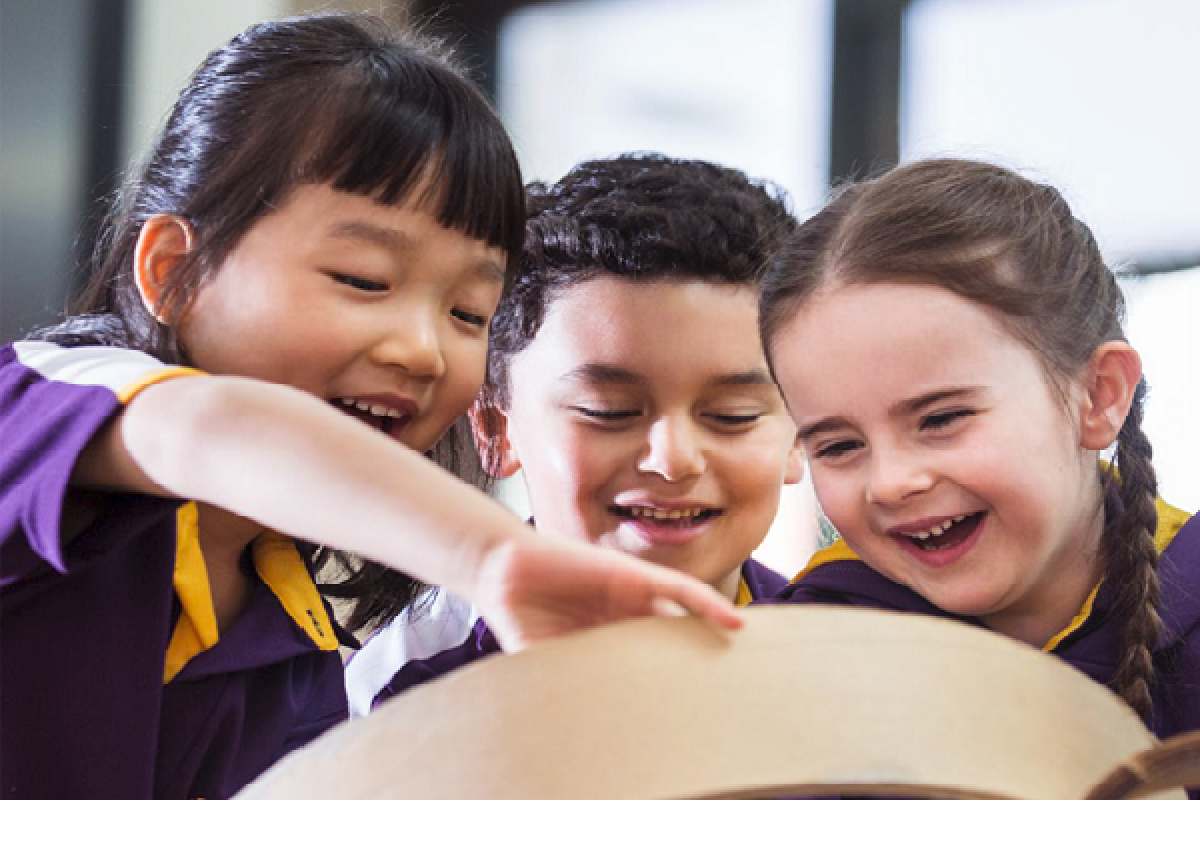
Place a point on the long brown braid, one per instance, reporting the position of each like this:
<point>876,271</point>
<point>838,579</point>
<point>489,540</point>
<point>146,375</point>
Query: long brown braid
<point>1014,247</point>
<point>1132,559</point>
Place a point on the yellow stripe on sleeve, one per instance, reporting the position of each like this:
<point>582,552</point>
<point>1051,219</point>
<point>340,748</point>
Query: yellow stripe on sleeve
<point>129,392</point>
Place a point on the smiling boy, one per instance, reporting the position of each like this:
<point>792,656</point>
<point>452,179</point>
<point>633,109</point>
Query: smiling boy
<point>626,380</point>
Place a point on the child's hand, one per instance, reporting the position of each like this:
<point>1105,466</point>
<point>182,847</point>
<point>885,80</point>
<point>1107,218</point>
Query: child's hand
<point>533,591</point>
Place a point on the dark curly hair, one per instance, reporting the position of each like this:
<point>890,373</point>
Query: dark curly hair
<point>1012,245</point>
<point>643,217</point>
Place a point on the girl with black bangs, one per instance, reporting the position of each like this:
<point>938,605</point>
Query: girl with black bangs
<point>317,242</point>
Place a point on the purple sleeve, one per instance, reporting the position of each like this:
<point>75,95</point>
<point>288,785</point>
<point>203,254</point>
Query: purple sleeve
<point>479,643</point>
<point>44,426</point>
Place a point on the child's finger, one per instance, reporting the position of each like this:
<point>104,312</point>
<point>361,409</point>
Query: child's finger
<point>667,607</point>
<point>698,599</point>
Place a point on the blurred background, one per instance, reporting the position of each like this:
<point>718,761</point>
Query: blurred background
<point>1095,96</point>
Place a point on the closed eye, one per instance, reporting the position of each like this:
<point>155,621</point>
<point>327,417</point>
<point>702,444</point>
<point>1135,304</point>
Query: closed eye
<point>472,318</point>
<point>940,420</point>
<point>734,421</point>
<point>359,283</point>
<point>606,415</point>
<point>836,450</point>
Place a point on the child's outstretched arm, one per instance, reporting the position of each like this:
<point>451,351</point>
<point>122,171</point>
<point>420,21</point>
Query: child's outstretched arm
<point>291,462</point>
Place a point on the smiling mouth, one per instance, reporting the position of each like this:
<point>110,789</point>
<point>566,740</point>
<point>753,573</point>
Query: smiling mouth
<point>951,532</point>
<point>387,420</point>
<point>666,517</point>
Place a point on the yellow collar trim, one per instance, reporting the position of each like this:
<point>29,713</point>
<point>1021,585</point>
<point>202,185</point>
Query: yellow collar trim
<point>838,551</point>
<point>283,570</point>
<point>744,597</point>
<point>196,630</point>
<point>1076,622</point>
<point>1170,520</point>
<point>278,564</point>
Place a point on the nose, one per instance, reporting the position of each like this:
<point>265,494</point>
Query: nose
<point>412,342</point>
<point>674,450</point>
<point>896,474</point>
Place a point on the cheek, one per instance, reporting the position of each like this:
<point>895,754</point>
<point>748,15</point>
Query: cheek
<point>567,478</point>
<point>586,461</point>
<point>557,460</point>
<point>754,477</point>
<point>465,364</point>
<point>836,498</point>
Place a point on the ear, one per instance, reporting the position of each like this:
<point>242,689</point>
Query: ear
<point>794,470</point>
<point>1110,379</point>
<point>489,425</point>
<point>163,241</point>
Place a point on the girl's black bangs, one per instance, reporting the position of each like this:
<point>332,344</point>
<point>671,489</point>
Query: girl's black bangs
<point>384,145</point>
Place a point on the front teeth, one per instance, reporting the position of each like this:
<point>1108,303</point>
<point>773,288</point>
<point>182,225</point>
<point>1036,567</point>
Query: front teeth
<point>938,530</point>
<point>665,514</point>
<point>380,411</point>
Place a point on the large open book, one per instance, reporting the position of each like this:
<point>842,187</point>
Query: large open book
<point>804,701</point>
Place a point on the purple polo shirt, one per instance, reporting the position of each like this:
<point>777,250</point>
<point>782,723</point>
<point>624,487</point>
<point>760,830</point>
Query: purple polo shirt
<point>838,576</point>
<point>89,630</point>
<point>758,581</point>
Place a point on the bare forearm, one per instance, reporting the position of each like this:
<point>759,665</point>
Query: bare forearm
<point>288,461</point>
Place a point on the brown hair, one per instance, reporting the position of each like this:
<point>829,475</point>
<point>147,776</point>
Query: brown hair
<point>1013,246</point>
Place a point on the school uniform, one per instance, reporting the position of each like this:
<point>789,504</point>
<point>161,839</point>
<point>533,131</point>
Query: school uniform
<point>424,644</point>
<point>114,679</point>
<point>1091,642</point>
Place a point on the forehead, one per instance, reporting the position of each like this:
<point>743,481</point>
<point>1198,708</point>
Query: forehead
<point>884,342</point>
<point>312,215</point>
<point>674,328</point>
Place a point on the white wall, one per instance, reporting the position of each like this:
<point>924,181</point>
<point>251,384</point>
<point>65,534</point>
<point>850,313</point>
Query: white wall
<point>1164,325</point>
<point>168,41</point>
<point>1096,96</point>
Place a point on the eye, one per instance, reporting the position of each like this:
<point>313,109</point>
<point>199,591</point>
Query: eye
<point>473,318</point>
<point>359,283</point>
<point>939,420</point>
<point>607,416</point>
<point>735,421</point>
<point>835,450</point>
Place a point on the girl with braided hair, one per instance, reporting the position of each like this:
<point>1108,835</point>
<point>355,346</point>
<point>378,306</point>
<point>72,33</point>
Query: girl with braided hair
<point>948,340</point>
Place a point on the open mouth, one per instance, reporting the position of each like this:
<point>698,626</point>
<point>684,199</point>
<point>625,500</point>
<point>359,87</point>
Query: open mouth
<point>387,420</point>
<point>951,532</point>
<point>666,517</point>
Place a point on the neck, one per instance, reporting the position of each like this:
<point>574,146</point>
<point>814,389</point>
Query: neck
<point>223,538</point>
<point>223,532</point>
<point>728,585</point>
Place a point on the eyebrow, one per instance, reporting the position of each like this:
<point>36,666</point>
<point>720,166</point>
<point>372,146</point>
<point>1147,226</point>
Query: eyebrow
<point>388,238</point>
<point>748,379</point>
<point>596,372</point>
<point>357,229</point>
<point>903,409</point>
